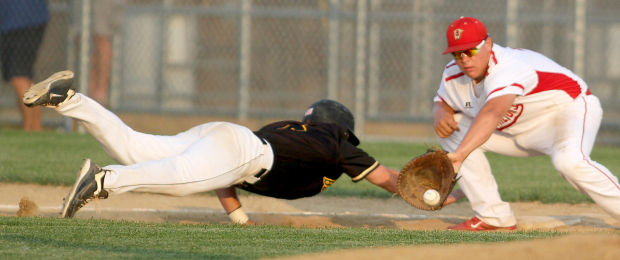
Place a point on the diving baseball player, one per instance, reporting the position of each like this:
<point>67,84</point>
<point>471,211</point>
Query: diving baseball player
<point>286,159</point>
<point>515,102</point>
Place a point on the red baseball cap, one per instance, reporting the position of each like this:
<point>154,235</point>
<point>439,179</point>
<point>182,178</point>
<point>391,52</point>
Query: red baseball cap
<point>464,33</point>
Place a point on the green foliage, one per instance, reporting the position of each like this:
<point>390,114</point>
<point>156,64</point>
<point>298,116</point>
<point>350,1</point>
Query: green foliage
<point>28,238</point>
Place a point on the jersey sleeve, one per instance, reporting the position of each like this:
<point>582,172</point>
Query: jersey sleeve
<point>515,78</point>
<point>442,94</point>
<point>448,91</point>
<point>356,163</point>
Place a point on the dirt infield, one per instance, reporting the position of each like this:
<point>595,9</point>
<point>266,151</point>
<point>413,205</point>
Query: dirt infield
<point>573,246</point>
<point>589,226</point>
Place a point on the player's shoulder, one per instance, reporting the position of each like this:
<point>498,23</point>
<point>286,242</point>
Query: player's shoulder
<point>516,57</point>
<point>511,60</point>
<point>452,73</point>
<point>451,68</point>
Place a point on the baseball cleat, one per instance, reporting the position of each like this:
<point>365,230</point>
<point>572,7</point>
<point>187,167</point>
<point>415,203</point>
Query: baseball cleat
<point>89,185</point>
<point>52,91</point>
<point>475,224</point>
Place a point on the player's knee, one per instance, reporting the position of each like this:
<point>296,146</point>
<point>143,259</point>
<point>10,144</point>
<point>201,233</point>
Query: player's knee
<point>568,163</point>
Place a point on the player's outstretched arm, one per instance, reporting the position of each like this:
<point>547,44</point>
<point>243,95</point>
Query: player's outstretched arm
<point>231,204</point>
<point>454,196</point>
<point>385,178</point>
<point>483,127</point>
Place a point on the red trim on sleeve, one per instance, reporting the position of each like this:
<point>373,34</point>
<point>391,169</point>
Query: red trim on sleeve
<point>450,64</point>
<point>518,85</point>
<point>513,84</point>
<point>454,76</point>
<point>495,90</point>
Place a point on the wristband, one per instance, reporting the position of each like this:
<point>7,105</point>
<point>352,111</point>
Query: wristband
<point>237,216</point>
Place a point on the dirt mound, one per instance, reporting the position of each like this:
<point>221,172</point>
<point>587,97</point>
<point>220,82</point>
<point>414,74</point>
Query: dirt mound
<point>27,208</point>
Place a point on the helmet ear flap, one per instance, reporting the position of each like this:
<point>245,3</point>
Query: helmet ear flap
<point>332,112</point>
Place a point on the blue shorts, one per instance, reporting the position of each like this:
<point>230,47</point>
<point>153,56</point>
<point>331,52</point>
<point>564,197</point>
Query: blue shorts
<point>18,51</point>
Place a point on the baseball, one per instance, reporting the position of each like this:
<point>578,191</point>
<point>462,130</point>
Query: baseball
<point>431,197</point>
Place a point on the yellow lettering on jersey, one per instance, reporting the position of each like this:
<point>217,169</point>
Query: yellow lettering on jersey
<point>304,128</point>
<point>284,127</point>
<point>327,182</point>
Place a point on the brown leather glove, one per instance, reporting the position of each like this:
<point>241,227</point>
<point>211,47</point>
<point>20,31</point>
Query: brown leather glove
<point>431,170</point>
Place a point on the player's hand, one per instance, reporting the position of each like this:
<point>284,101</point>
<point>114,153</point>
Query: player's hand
<point>249,223</point>
<point>454,196</point>
<point>443,121</point>
<point>457,161</point>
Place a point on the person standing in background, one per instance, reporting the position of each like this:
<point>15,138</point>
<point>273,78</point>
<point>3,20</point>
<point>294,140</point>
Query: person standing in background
<point>22,26</point>
<point>107,18</point>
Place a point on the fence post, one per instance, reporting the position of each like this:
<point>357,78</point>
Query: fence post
<point>244,60</point>
<point>360,66</point>
<point>512,25</point>
<point>333,66</point>
<point>580,31</point>
<point>373,61</point>
<point>84,58</point>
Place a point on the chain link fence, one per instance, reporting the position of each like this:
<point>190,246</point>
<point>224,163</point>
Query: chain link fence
<point>272,58</point>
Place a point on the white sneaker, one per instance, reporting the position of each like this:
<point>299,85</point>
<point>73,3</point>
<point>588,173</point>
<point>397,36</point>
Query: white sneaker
<point>52,91</point>
<point>88,186</point>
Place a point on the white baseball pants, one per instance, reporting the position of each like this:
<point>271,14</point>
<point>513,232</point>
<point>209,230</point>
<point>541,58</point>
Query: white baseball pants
<point>566,134</point>
<point>204,158</point>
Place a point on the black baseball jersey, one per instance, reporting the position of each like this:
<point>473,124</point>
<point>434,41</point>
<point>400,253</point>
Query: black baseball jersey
<point>308,159</point>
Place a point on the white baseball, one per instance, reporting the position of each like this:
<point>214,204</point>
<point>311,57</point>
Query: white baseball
<point>431,197</point>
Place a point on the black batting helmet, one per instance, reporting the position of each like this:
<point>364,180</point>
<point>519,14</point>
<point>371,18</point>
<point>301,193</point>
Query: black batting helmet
<point>330,111</point>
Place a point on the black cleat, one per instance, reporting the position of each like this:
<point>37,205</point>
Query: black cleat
<point>52,91</point>
<point>89,185</point>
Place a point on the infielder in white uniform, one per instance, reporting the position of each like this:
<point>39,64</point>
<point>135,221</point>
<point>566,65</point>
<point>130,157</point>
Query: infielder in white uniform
<point>515,102</point>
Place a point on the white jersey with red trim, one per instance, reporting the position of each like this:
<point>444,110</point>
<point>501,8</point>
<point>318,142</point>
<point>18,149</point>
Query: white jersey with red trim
<point>539,83</point>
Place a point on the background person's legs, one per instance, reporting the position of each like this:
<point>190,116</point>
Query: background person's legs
<point>100,69</point>
<point>31,116</point>
<point>18,52</point>
<point>107,20</point>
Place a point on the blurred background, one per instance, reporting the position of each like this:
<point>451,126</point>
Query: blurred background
<point>175,63</point>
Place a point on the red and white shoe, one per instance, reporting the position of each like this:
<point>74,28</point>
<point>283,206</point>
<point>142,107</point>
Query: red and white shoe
<point>475,224</point>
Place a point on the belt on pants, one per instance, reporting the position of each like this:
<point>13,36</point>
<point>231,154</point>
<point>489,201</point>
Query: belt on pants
<point>262,172</point>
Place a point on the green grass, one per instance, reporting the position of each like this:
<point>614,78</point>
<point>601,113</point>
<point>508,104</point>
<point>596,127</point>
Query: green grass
<point>29,238</point>
<point>47,158</point>
<point>52,158</point>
